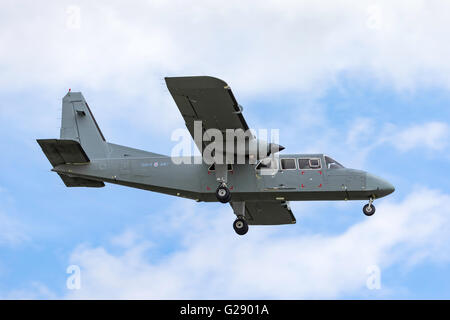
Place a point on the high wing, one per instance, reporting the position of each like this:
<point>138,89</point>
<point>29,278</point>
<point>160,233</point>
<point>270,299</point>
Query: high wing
<point>268,213</point>
<point>206,99</point>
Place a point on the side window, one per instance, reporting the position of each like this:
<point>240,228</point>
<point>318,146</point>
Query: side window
<point>303,164</point>
<point>314,163</point>
<point>309,163</point>
<point>288,164</point>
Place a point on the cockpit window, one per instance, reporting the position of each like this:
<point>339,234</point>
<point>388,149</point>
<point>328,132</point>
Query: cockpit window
<point>309,163</point>
<point>332,164</point>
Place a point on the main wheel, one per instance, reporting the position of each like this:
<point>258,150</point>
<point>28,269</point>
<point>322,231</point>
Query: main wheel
<point>369,209</point>
<point>223,194</point>
<point>240,226</point>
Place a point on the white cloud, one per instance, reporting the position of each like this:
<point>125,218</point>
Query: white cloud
<point>364,135</point>
<point>126,239</point>
<point>432,135</point>
<point>212,262</point>
<point>12,230</point>
<point>258,47</point>
<point>35,290</point>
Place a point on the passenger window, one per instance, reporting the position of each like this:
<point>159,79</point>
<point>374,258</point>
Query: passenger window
<point>288,164</point>
<point>314,163</point>
<point>305,164</point>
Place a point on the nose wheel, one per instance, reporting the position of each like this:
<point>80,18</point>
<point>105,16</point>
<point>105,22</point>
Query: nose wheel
<point>369,209</point>
<point>223,194</point>
<point>240,226</point>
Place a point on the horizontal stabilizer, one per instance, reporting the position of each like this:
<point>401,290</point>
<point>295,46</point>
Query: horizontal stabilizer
<point>63,151</point>
<point>80,182</point>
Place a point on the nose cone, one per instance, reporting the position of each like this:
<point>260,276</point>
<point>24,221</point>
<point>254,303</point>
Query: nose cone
<point>380,187</point>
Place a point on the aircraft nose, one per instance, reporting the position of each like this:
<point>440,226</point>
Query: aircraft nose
<point>386,187</point>
<point>380,186</point>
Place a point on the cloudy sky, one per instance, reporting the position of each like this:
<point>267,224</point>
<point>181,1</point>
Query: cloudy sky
<point>367,82</point>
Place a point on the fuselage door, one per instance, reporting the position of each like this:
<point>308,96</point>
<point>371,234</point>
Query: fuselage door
<point>267,173</point>
<point>288,175</point>
<point>310,173</point>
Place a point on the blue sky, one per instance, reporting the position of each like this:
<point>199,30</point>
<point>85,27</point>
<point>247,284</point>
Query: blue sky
<point>341,79</point>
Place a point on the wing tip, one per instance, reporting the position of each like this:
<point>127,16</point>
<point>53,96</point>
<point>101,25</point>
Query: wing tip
<point>195,82</point>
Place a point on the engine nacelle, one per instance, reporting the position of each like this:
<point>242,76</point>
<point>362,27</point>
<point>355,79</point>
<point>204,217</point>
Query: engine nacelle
<point>246,151</point>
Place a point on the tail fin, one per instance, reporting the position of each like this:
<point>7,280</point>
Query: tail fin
<point>78,123</point>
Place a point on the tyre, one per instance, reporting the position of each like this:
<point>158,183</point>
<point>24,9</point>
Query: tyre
<point>240,226</point>
<point>223,194</point>
<point>369,210</point>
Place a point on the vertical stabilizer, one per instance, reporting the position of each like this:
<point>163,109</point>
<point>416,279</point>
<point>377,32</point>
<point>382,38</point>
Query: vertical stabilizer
<point>78,123</point>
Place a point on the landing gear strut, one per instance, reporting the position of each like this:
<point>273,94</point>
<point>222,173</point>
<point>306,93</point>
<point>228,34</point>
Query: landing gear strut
<point>240,226</point>
<point>369,209</point>
<point>223,194</point>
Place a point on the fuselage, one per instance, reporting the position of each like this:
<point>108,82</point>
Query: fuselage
<point>294,177</point>
<point>259,193</point>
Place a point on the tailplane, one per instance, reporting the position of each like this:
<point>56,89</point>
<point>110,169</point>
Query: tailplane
<point>59,152</point>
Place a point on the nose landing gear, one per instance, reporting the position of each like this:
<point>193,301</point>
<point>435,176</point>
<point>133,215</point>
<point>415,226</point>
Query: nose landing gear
<point>369,209</point>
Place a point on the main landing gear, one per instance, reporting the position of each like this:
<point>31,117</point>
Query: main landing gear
<point>240,226</point>
<point>223,194</point>
<point>369,209</point>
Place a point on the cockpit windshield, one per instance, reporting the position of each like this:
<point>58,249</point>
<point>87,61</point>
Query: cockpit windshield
<point>332,164</point>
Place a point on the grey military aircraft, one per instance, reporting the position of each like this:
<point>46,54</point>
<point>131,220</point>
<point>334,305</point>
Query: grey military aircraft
<point>258,191</point>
